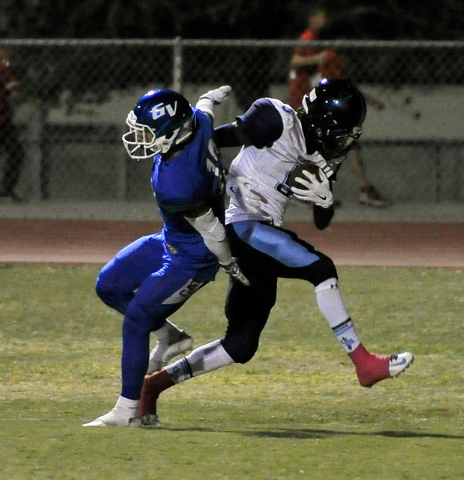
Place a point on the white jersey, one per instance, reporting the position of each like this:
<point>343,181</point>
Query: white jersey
<point>269,168</point>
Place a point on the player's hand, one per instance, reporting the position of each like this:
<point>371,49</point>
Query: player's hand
<point>245,192</point>
<point>218,95</point>
<point>315,190</point>
<point>233,270</point>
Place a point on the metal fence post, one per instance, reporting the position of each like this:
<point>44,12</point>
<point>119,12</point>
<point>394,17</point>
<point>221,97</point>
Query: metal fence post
<point>177,73</point>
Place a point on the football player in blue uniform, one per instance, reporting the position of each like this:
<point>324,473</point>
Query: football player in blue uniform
<point>262,181</point>
<point>150,279</point>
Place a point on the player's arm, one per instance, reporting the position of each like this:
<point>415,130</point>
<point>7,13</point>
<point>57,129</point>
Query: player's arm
<point>322,216</point>
<point>214,235</point>
<point>261,125</point>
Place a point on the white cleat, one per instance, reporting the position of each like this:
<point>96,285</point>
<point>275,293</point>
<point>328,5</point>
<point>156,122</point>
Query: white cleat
<point>163,352</point>
<point>124,414</point>
<point>399,363</point>
<point>115,418</point>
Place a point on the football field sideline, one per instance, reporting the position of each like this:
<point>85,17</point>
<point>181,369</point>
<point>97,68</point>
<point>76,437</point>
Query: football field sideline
<point>402,244</point>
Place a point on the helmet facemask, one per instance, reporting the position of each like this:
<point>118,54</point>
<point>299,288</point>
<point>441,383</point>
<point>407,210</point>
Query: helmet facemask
<point>334,142</point>
<point>141,141</point>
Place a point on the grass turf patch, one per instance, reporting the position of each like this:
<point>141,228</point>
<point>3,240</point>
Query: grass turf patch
<point>295,411</point>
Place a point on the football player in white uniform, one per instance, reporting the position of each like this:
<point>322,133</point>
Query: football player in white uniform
<point>277,142</point>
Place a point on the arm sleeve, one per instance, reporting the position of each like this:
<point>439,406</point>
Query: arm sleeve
<point>229,136</point>
<point>214,235</point>
<point>322,216</point>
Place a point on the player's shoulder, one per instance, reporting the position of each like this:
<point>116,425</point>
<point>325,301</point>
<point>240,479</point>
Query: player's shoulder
<point>286,112</point>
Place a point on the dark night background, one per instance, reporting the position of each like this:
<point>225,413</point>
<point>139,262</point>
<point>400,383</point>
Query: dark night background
<point>229,19</point>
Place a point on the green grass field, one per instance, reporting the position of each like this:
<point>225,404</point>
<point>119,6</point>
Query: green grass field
<point>295,411</point>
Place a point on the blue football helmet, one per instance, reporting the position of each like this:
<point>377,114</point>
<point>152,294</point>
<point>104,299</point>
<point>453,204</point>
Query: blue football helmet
<point>161,120</point>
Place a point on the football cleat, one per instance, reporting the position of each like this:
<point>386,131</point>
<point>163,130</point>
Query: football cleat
<point>124,414</point>
<point>163,352</point>
<point>399,363</point>
<point>115,418</point>
<point>150,420</point>
<point>381,367</point>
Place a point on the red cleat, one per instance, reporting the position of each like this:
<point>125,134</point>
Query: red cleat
<point>371,369</point>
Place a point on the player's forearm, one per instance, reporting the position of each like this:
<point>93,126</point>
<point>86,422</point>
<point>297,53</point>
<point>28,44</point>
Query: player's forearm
<point>230,135</point>
<point>214,235</point>
<point>322,216</point>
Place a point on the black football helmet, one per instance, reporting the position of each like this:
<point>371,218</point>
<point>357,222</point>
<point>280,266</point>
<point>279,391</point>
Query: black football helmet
<point>332,116</point>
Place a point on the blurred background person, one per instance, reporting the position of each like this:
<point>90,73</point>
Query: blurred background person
<point>307,66</point>
<point>10,143</point>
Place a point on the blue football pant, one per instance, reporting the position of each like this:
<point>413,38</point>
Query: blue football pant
<point>146,285</point>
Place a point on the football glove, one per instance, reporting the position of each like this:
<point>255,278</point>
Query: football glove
<point>245,192</point>
<point>213,97</point>
<point>233,270</point>
<point>315,191</point>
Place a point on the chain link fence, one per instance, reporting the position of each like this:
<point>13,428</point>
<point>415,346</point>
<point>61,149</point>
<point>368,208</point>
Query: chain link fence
<point>76,96</point>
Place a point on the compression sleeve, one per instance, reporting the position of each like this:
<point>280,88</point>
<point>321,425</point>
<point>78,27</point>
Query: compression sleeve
<point>322,216</point>
<point>227,136</point>
<point>214,235</point>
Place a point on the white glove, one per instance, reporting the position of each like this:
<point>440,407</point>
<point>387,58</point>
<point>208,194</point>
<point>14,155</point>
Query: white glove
<point>245,192</point>
<point>213,97</point>
<point>218,95</point>
<point>316,191</point>
<point>233,270</point>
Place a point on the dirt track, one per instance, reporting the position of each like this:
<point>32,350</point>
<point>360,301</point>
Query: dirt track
<point>353,244</point>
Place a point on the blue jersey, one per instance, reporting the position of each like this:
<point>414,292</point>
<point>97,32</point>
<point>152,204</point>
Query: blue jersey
<point>193,179</point>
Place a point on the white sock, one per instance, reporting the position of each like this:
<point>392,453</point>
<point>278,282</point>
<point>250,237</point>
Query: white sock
<point>331,304</point>
<point>124,403</point>
<point>202,360</point>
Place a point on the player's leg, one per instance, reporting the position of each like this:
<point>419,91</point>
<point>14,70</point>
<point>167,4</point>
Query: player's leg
<point>123,275</point>
<point>291,257</point>
<point>160,294</point>
<point>247,310</point>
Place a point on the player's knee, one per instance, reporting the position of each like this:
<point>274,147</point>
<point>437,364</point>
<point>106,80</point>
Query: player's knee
<point>106,292</point>
<point>321,270</point>
<point>240,348</point>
